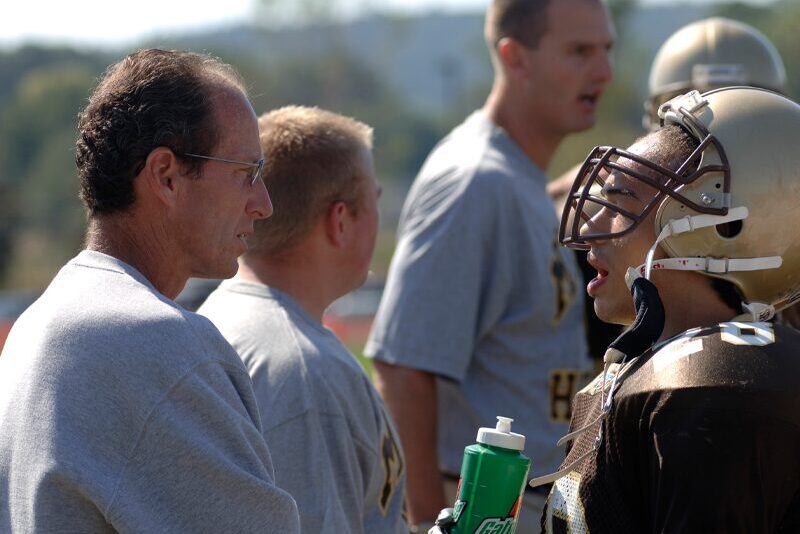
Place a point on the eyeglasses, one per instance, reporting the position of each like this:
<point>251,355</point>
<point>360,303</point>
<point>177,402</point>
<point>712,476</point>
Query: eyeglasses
<point>255,174</point>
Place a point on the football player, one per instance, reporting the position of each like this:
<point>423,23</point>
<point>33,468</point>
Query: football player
<point>703,55</point>
<point>694,425</point>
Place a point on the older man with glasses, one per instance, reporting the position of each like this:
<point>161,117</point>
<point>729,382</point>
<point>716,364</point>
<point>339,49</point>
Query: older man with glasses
<point>119,410</point>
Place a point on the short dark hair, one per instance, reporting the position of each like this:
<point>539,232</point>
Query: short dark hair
<point>149,99</point>
<point>524,21</point>
<point>671,146</point>
<point>312,159</point>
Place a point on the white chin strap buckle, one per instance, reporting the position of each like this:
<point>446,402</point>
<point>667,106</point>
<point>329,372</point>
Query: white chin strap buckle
<point>758,312</point>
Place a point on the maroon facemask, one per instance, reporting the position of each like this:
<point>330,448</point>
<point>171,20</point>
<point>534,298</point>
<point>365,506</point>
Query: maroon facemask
<point>585,198</point>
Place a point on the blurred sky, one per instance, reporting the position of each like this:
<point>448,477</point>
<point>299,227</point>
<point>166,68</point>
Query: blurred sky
<point>99,23</point>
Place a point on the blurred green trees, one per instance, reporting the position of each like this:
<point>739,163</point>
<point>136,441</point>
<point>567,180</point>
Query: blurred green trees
<point>43,89</point>
<point>42,218</point>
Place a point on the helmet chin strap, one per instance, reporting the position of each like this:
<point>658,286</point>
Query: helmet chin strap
<point>756,311</point>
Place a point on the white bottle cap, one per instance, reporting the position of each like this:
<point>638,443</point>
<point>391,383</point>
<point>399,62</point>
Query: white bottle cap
<point>501,435</point>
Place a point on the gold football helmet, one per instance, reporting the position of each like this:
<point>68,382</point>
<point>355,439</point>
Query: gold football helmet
<point>709,54</point>
<point>727,211</point>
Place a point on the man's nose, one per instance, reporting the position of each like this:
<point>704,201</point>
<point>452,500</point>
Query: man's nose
<point>259,205</point>
<point>603,70</point>
<point>597,224</point>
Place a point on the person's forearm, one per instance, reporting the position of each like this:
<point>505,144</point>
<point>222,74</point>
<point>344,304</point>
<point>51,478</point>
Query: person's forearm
<point>411,398</point>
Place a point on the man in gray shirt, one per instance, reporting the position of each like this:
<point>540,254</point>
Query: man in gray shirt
<point>119,410</point>
<point>481,316</point>
<point>333,445</point>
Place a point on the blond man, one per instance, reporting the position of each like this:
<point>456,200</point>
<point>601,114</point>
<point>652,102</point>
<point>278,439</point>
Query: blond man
<point>332,443</point>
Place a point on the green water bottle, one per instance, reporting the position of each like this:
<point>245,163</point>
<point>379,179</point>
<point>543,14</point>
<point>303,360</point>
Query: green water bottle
<point>493,476</point>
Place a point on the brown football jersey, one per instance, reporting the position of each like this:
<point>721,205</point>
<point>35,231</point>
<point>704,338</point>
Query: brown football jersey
<point>702,435</point>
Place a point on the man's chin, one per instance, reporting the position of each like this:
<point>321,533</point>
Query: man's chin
<point>220,272</point>
<point>230,271</point>
<point>610,315</point>
<point>584,123</point>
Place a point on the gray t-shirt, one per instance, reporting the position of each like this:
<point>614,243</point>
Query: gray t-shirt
<point>480,293</point>
<point>333,445</point>
<point>120,411</point>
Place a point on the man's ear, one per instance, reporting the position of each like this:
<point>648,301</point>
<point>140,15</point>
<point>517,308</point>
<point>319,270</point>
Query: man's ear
<point>161,173</point>
<point>512,57</point>
<point>337,223</point>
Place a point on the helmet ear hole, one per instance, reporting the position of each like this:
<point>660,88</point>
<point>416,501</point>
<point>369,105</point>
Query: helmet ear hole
<point>729,230</point>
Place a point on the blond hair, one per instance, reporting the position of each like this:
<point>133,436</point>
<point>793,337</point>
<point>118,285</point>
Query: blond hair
<point>313,158</point>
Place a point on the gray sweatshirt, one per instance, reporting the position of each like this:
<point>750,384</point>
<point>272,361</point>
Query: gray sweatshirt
<point>120,411</point>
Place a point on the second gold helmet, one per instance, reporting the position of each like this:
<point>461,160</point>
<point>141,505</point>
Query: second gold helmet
<point>709,54</point>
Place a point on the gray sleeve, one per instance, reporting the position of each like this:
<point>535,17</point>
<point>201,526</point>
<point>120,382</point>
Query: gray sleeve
<point>201,465</point>
<point>442,274</point>
<point>329,478</point>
